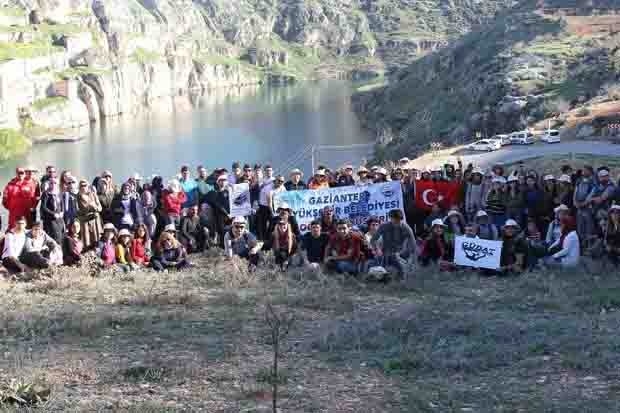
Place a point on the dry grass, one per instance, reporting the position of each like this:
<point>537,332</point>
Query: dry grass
<point>197,341</point>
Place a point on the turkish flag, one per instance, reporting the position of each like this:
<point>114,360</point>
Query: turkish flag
<point>428,193</point>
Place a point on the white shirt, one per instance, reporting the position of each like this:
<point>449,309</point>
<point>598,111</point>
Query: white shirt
<point>13,245</point>
<point>273,193</point>
<point>569,254</point>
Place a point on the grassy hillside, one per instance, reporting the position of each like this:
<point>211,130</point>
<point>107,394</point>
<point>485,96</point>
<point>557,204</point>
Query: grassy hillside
<point>199,341</point>
<point>522,68</point>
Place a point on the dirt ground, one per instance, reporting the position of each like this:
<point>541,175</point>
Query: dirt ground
<point>198,341</point>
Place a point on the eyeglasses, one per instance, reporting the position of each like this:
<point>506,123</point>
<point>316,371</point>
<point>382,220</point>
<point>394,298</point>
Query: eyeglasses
<point>20,172</point>
<point>239,226</point>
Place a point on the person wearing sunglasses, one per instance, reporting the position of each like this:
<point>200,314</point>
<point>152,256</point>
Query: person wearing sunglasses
<point>20,196</point>
<point>240,242</point>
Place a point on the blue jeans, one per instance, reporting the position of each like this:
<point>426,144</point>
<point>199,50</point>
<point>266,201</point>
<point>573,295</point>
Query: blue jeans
<point>343,267</point>
<point>498,220</point>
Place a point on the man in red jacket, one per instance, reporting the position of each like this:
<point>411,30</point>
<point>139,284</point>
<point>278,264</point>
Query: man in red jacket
<point>21,196</point>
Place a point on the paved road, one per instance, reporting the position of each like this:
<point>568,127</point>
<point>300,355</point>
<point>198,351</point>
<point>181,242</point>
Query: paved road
<point>511,154</point>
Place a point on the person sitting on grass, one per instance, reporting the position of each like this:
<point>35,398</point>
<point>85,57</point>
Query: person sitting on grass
<point>514,249</point>
<point>106,248</point>
<point>283,243</point>
<point>398,242</point>
<point>193,235</point>
<point>170,254</point>
<point>565,251</point>
<point>313,245</point>
<point>141,246</point>
<point>344,249</point>
<point>40,250</point>
<point>72,245</point>
<point>14,242</point>
<point>238,241</point>
<point>123,250</point>
<point>435,248</point>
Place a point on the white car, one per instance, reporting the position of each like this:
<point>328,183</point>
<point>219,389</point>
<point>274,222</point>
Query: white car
<point>522,138</point>
<point>551,136</point>
<point>504,139</point>
<point>486,145</point>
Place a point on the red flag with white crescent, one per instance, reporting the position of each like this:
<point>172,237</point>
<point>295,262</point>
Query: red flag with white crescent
<point>428,193</point>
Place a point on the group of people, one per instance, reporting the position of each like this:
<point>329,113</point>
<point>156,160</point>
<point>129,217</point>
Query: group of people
<point>540,219</point>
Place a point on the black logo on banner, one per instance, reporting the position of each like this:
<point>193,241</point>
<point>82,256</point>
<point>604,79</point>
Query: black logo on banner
<point>241,199</point>
<point>475,252</point>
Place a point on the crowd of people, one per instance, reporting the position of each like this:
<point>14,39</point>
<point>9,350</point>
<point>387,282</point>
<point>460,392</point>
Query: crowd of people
<point>541,220</point>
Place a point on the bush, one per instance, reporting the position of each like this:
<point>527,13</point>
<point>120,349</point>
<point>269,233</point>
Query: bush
<point>584,111</point>
<point>12,144</point>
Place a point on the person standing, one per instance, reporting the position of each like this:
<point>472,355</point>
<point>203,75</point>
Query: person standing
<point>125,208</point>
<point>52,212</point>
<point>106,196</point>
<point>20,197</point>
<point>88,212</point>
<point>190,187</point>
<point>346,179</point>
<point>295,183</point>
<point>69,201</point>
<point>219,200</point>
<point>173,199</point>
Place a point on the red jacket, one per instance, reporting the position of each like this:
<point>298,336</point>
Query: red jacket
<point>138,252</point>
<point>173,202</point>
<point>352,244</point>
<point>20,198</point>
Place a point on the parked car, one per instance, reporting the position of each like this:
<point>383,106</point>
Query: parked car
<point>504,139</point>
<point>551,136</point>
<point>486,145</point>
<point>522,138</point>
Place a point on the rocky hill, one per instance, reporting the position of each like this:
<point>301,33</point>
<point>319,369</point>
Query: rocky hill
<point>66,63</point>
<point>536,61</point>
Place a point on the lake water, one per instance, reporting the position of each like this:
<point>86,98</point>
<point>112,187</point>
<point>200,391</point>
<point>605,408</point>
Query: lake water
<point>253,124</point>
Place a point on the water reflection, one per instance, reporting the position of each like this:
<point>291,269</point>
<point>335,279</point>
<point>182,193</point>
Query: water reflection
<point>253,124</point>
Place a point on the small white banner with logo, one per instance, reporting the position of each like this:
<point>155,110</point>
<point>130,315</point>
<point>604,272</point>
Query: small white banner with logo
<point>355,203</point>
<point>477,253</point>
<point>240,205</point>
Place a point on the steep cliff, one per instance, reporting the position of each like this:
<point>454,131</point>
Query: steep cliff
<point>108,57</point>
<point>532,63</point>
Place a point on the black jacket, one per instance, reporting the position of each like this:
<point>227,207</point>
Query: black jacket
<point>118,211</point>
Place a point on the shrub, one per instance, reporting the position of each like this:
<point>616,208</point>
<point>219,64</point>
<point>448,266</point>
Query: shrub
<point>12,144</point>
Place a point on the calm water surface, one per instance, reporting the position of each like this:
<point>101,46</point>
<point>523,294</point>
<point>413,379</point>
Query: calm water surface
<point>262,124</point>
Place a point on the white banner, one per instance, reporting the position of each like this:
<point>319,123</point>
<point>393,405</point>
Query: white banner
<point>355,203</point>
<point>240,205</point>
<point>477,253</point>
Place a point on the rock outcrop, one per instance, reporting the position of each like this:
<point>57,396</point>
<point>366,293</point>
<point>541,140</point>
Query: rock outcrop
<point>119,55</point>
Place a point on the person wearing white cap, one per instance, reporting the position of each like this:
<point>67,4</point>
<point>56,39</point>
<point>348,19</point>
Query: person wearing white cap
<point>172,200</point>
<point>484,228</point>
<point>319,181</point>
<point>553,231</point>
<point>514,249</point>
<point>601,195</point>
<point>219,200</point>
<point>564,191</point>
<point>380,175</point>
<point>496,201</point>
<point>346,178</point>
<point>363,175</point>
<point>295,183</point>
<point>435,248</point>
<point>123,251</point>
<point>455,225</point>
<point>239,242</point>
<point>612,235</point>
<point>106,247</point>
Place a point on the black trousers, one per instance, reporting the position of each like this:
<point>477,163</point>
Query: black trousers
<point>263,222</point>
<point>55,228</point>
